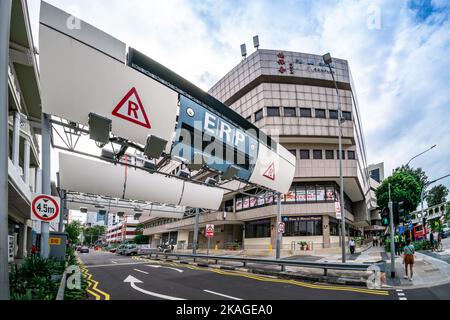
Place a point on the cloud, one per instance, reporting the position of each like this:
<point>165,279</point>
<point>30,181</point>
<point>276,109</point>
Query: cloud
<point>400,69</point>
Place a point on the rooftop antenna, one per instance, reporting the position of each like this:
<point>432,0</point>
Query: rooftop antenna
<point>243,50</point>
<point>256,42</point>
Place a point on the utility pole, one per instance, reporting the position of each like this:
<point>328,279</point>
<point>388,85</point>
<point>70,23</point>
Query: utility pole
<point>197,218</point>
<point>5,17</point>
<point>391,217</point>
<point>46,157</point>
<point>278,223</point>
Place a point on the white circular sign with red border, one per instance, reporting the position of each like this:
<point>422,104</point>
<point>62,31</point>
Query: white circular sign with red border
<point>45,208</point>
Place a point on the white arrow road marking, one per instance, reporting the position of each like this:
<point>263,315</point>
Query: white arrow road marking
<point>113,261</point>
<point>222,295</point>
<point>153,266</point>
<point>140,271</point>
<point>132,280</point>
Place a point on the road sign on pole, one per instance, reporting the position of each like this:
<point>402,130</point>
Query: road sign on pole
<point>45,208</point>
<point>209,231</point>
<point>337,208</point>
<point>281,227</point>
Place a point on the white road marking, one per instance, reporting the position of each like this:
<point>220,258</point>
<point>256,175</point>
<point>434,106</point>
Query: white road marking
<point>153,266</point>
<point>140,271</point>
<point>132,280</point>
<point>402,298</point>
<point>222,295</point>
<point>399,290</point>
<point>113,265</point>
<point>114,261</point>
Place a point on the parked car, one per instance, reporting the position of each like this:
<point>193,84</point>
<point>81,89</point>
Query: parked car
<point>112,250</point>
<point>84,249</point>
<point>121,248</point>
<point>446,233</point>
<point>77,248</point>
<point>130,250</point>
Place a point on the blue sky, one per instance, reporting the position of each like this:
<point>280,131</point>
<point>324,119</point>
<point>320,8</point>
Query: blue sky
<point>398,53</point>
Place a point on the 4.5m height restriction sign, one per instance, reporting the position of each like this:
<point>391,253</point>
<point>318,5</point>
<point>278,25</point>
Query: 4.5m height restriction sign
<point>45,208</point>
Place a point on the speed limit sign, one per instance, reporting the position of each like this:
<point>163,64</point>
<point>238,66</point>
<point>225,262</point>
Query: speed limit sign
<point>45,208</point>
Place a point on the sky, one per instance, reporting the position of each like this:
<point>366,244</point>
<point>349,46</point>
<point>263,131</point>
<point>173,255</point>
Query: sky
<point>397,51</point>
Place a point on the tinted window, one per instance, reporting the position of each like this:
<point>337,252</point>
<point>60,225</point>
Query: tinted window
<point>273,111</point>
<point>294,152</point>
<point>258,115</point>
<point>347,115</point>
<point>289,112</point>
<point>317,154</point>
<point>343,154</point>
<point>320,113</point>
<point>304,154</point>
<point>333,114</point>
<point>305,112</point>
<point>351,155</point>
<point>329,154</point>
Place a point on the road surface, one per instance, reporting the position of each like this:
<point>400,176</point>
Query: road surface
<point>117,277</point>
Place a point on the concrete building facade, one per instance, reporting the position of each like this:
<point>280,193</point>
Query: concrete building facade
<point>292,97</point>
<point>24,176</point>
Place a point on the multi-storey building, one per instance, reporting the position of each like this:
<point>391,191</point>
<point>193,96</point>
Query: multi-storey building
<point>293,98</point>
<point>24,125</point>
<point>123,229</point>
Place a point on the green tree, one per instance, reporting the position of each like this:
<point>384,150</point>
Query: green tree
<point>140,238</point>
<point>405,186</point>
<point>93,234</point>
<point>437,195</point>
<point>73,230</point>
<point>418,174</point>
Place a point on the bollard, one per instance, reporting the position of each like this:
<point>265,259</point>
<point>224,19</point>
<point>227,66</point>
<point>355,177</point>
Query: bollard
<point>270,247</point>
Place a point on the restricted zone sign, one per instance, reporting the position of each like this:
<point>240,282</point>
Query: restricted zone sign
<point>209,231</point>
<point>281,227</point>
<point>45,208</point>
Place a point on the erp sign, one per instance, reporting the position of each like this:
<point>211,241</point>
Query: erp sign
<point>203,135</point>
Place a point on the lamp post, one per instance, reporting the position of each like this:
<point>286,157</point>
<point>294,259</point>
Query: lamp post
<point>420,154</point>
<point>422,194</point>
<point>328,60</point>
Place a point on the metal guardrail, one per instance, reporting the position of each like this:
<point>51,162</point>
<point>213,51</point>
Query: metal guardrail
<point>282,263</point>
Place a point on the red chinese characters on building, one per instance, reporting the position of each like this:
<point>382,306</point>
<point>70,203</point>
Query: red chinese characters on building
<point>281,62</point>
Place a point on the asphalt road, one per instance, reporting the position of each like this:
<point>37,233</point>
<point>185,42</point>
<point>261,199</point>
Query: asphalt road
<point>124,278</point>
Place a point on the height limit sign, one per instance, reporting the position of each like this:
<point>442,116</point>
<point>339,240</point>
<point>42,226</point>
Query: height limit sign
<point>45,208</point>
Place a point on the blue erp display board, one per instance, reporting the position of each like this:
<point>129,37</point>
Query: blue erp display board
<point>202,136</point>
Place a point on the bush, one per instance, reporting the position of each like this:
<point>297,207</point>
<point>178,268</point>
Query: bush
<point>75,294</point>
<point>35,279</point>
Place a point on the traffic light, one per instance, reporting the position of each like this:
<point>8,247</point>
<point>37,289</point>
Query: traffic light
<point>401,211</point>
<point>395,213</point>
<point>385,217</point>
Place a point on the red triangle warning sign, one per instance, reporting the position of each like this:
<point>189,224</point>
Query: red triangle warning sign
<point>130,108</point>
<point>270,172</point>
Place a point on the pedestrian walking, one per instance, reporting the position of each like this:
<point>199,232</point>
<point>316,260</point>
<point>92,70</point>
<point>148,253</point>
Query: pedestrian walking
<point>432,240</point>
<point>408,259</point>
<point>397,245</point>
<point>402,242</point>
<point>351,244</point>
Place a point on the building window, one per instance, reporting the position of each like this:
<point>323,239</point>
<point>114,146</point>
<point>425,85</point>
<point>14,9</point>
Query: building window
<point>257,229</point>
<point>304,154</point>
<point>343,154</point>
<point>289,112</point>
<point>305,112</point>
<point>329,154</point>
<point>258,115</point>
<point>273,111</point>
<point>347,115</point>
<point>294,152</point>
<point>351,155</point>
<point>317,154</point>
<point>333,114</point>
<point>320,113</point>
<point>375,175</point>
<point>303,226</point>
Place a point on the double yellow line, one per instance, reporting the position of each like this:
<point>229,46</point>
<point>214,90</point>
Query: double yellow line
<point>276,280</point>
<point>92,284</point>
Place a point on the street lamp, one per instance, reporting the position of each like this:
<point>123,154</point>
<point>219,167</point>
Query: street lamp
<point>328,60</point>
<point>420,154</point>
<point>422,193</point>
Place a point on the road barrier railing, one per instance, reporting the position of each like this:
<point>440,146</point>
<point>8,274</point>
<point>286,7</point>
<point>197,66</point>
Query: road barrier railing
<point>325,266</point>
